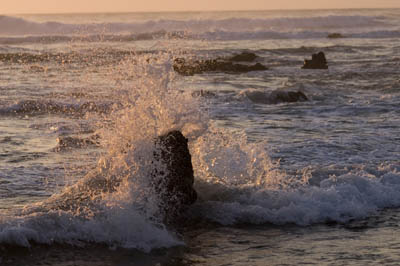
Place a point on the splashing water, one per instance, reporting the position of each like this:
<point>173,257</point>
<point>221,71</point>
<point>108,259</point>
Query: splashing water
<point>236,180</point>
<point>114,203</point>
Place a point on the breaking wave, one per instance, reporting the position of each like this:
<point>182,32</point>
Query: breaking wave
<point>209,36</point>
<point>19,30</point>
<point>241,185</point>
<point>114,204</point>
<point>236,180</point>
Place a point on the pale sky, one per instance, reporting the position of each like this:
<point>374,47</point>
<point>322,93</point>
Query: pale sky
<point>72,6</point>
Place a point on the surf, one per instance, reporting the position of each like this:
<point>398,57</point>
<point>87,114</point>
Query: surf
<point>236,179</point>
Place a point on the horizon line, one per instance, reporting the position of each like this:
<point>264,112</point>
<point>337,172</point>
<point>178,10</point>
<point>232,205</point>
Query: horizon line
<point>195,11</point>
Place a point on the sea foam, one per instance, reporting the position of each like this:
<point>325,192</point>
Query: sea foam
<point>238,183</point>
<point>236,180</point>
<point>201,28</point>
<point>127,214</point>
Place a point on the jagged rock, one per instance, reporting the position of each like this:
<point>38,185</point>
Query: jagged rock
<point>335,35</point>
<point>174,187</point>
<point>318,61</point>
<point>243,57</point>
<point>173,183</point>
<point>188,68</point>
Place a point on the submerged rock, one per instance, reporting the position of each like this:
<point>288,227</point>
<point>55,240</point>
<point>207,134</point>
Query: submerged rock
<point>243,57</point>
<point>318,61</point>
<point>188,68</point>
<point>335,35</point>
<point>64,143</point>
<point>275,97</point>
<point>203,93</point>
<point>288,96</point>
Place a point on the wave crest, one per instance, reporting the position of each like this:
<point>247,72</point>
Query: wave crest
<point>19,26</point>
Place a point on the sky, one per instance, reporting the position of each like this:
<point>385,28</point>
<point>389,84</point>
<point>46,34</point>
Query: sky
<point>85,6</point>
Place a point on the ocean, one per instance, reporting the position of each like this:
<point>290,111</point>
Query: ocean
<point>279,182</point>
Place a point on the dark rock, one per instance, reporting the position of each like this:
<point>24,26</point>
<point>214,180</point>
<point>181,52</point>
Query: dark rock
<point>289,96</point>
<point>173,183</point>
<point>174,187</point>
<point>275,97</point>
<point>318,61</point>
<point>335,35</point>
<point>189,68</point>
<point>75,142</point>
<point>243,57</point>
<point>203,93</point>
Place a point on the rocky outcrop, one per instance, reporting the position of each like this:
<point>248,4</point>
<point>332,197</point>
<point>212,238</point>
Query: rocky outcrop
<point>318,61</point>
<point>174,184</point>
<point>225,65</point>
<point>171,179</point>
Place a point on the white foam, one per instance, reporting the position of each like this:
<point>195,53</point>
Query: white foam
<point>17,30</point>
<point>241,185</point>
<point>237,182</point>
<point>120,227</point>
<point>19,26</point>
<point>128,216</point>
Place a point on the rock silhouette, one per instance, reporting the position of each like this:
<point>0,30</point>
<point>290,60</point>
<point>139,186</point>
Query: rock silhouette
<point>318,61</point>
<point>289,96</point>
<point>275,97</point>
<point>172,182</point>
<point>335,35</point>
<point>174,187</point>
<point>243,57</point>
<point>226,65</point>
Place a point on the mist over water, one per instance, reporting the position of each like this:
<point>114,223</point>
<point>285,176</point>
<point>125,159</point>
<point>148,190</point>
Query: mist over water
<point>84,99</point>
<point>199,26</point>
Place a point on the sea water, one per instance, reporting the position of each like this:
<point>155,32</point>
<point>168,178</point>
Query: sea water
<point>310,182</point>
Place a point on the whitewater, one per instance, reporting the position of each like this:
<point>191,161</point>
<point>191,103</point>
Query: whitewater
<point>315,181</point>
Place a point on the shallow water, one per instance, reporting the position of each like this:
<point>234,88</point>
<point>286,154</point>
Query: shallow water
<point>281,184</point>
<point>366,242</point>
